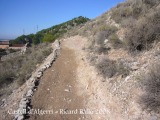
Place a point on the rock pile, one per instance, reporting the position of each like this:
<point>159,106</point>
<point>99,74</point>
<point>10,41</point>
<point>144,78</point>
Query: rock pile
<point>32,83</point>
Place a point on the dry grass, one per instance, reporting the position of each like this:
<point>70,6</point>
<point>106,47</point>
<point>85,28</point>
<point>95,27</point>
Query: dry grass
<point>21,67</point>
<point>106,67</point>
<point>141,18</point>
<point>132,8</point>
<point>109,68</point>
<point>144,32</point>
<point>151,83</point>
<point>114,40</point>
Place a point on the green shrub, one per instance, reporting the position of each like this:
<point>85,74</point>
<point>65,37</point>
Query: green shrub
<point>37,39</point>
<point>52,33</point>
<point>48,38</point>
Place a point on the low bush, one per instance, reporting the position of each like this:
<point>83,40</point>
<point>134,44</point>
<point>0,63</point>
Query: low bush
<point>115,41</point>
<point>7,73</point>
<point>133,8</point>
<point>21,67</point>
<point>109,68</point>
<point>151,83</point>
<point>100,37</point>
<point>108,28</point>
<point>151,3</point>
<point>120,13</point>
<point>106,67</point>
<point>128,22</point>
<point>100,50</point>
<point>2,52</point>
<point>122,68</point>
<point>143,33</point>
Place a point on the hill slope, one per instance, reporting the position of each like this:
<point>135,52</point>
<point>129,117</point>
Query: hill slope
<point>52,33</point>
<point>113,68</point>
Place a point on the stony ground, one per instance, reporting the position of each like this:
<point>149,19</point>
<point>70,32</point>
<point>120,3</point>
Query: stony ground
<point>70,84</point>
<point>57,89</point>
<point>72,89</point>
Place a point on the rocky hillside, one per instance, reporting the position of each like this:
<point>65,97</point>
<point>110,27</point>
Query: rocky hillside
<point>123,46</point>
<point>109,65</point>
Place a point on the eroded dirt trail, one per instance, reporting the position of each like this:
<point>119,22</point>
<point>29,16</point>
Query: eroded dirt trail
<point>57,89</point>
<point>71,84</point>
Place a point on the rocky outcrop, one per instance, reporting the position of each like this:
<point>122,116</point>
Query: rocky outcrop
<point>32,83</point>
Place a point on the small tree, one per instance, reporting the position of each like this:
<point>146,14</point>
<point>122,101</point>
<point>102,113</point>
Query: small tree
<point>48,38</point>
<point>37,38</point>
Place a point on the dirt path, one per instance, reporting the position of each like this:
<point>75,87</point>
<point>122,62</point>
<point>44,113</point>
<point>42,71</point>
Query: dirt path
<point>72,85</point>
<point>57,89</point>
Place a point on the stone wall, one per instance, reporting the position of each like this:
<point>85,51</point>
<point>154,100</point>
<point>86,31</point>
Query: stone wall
<point>33,81</point>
